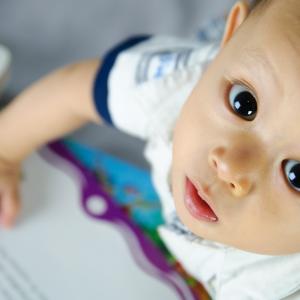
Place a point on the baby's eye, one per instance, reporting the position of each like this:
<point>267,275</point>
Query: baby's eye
<point>243,102</point>
<point>292,172</point>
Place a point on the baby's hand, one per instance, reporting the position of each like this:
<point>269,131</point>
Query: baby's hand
<point>9,192</point>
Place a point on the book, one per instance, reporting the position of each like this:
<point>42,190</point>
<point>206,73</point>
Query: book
<point>87,230</point>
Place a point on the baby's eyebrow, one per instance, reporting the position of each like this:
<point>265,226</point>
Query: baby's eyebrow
<point>253,58</point>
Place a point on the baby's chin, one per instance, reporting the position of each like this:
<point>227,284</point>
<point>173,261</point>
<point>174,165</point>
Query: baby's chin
<point>202,229</point>
<point>216,233</point>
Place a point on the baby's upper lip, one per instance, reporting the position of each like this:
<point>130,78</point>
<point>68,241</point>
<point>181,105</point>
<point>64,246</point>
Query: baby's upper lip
<point>203,194</point>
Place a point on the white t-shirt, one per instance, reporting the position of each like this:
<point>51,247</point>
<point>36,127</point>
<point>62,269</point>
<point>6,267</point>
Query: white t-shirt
<point>5,62</point>
<point>140,89</point>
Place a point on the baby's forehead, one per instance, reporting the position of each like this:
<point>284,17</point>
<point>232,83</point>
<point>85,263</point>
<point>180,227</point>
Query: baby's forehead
<point>270,63</point>
<point>274,65</point>
<point>271,44</point>
<point>283,14</point>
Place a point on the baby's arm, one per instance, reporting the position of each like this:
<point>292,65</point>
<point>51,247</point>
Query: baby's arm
<point>50,108</point>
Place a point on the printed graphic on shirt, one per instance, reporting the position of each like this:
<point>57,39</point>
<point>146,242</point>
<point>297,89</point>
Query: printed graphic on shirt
<point>157,64</point>
<point>176,226</point>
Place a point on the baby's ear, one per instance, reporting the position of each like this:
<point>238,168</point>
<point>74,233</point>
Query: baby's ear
<point>236,17</point>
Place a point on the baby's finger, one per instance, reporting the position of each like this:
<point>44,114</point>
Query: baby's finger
<point>10,207</point>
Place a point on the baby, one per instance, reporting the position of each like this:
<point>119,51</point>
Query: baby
<point>228,112</point>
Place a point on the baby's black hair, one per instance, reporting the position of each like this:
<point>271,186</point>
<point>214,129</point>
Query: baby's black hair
<point>257,5</point>
<point>256,2</point>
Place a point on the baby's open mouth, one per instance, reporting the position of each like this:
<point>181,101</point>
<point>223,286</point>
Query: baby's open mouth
<point>196,206</point>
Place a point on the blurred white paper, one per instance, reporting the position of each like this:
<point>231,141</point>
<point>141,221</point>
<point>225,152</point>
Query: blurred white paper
<point>57,252</point>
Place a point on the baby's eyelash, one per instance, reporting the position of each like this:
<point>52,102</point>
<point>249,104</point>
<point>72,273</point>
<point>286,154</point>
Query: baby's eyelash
<point>294,191</point>
<point>243,82</point>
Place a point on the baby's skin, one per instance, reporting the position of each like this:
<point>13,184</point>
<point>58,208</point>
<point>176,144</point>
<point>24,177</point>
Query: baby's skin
<point>235,138</point>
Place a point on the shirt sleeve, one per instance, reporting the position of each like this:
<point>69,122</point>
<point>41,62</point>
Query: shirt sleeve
<point>140,81</point>
<point>101,82</point>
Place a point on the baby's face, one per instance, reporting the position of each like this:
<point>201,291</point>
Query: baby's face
<point>238,138</point>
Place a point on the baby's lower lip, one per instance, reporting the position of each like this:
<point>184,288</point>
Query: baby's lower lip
<point>196,206</point>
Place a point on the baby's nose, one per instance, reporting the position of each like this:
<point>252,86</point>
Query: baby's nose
<point>234,166</point>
